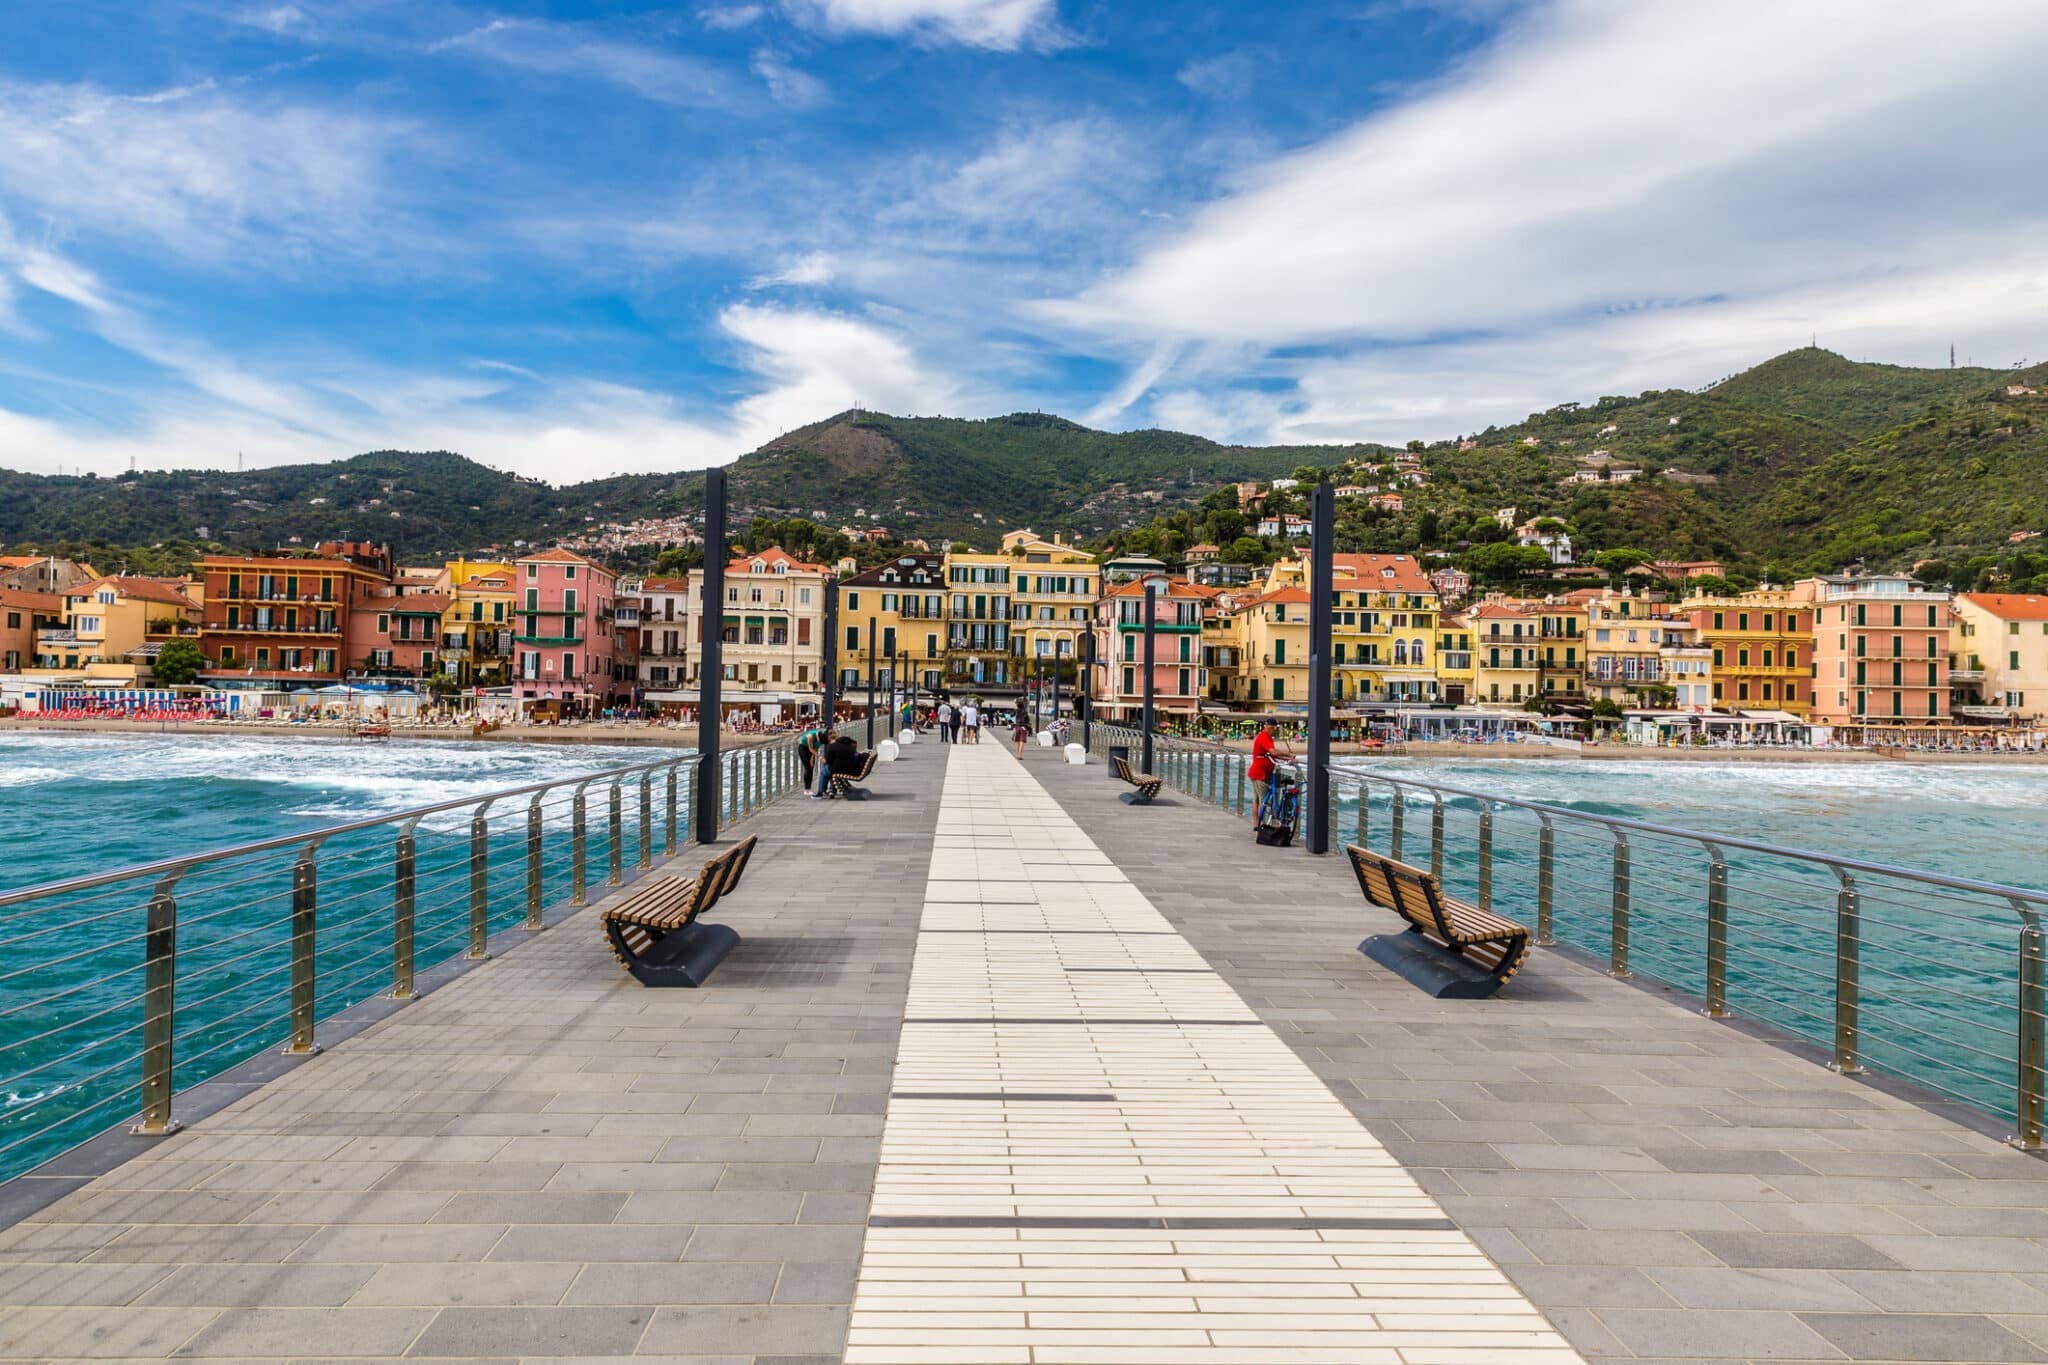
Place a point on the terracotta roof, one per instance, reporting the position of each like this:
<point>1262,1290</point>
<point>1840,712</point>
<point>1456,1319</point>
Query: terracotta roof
<point>1205,545</point>
<point>2010,606</point>
<point>559,556</point>
<point>50,602</point>
<point>1408,574</point>
<point>20,561</point>
<point>417,602</point>
<point>1289,594</point>
<point>143,589</point>
<point>487,582</point>
<point>1173,587</point>
<point>774,554</point>
<point>666,585</point>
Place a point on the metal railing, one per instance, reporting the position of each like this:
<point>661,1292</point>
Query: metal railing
<point>121,989</point>
<point>1937,979</point>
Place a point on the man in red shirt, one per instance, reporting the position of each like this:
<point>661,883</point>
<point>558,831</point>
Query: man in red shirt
<point>1261,770</point>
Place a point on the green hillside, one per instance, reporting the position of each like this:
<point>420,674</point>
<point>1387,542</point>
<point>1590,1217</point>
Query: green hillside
<point>1808,461</point>
<point>1851,396</point>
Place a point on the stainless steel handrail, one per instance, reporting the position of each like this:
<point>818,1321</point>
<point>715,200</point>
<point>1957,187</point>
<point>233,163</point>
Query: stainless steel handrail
<point>756,775</point>
<point>1856,886</point>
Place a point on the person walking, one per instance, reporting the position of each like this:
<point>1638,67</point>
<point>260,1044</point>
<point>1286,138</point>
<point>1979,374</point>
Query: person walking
<point>973,722</point>
<point>1261,770</point>
<point>946,725</point>
<point>1021,732</point>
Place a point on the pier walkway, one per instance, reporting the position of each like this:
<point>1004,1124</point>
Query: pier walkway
<point>1005,1071</point>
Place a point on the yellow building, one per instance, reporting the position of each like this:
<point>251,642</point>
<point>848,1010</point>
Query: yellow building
<point>1052,597</point>
<point>978,622</point>
<point>1999,657</point>
<point>1456,673</point>
<point>1382,626</point>
<point>1561,626</point>
<point>1506,664</point>
<point>1763,648</point>
<point>1640,652</point>
<point>904,601</point>
<point>476,626</point>
<point>1265,642</point>
<point>108,619</point>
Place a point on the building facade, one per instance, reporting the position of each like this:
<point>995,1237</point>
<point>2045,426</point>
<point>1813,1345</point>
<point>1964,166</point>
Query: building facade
<point>901,605</point>
<point>1178,678</point>
<point>1382,628</point>
<point>1880,649</point>
<point>1052,597</point>
<point>1999,658</point>
<point>562,642</point>
<point>282,620</point>
<point>978,621</point>
<point>1642,652</point>
<point>772,630</point>
<point>477,627</point>
<point>1762,643</point>
<point>665,635</point>
<point>108,619</point>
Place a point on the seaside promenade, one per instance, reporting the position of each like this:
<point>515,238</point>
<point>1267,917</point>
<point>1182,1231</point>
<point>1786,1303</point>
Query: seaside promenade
<point>1004,1071</point>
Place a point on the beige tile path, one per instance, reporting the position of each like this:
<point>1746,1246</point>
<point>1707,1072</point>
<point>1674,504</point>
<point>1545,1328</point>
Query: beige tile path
<point>1095,1152</point>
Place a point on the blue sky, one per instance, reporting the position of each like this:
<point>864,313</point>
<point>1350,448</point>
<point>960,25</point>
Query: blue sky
<point>575,239</point>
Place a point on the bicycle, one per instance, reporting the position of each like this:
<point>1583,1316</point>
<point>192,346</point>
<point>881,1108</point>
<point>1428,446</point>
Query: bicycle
<point>1280,808</point>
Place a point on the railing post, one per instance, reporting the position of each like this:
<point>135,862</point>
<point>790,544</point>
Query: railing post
<point>1485,855</point>
<point>406,878</point>
<point>1364,824</point>
<point>646,819</point>
<point>533,863</point>
<point>2032,1034</point>
<point>579,847</point>
<point>1617,956</point>
<point>615,858</point>
<point>305,915</point>
<point>1400,820</point>
<point>1848,975</point>
<point>1436,836</point>
<point>1546,877</point>
<point>159,1011</point>
<point>669,846</point>
<point>1717,934</point>
<point>480,883</point>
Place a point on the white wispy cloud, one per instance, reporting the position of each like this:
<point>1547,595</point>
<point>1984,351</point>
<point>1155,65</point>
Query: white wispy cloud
<point>999,24</point>
<point>651,71</point>
<point>730,16</point>
<point>787,84</point>
<point>198,172</point>
<point>1605,172</point>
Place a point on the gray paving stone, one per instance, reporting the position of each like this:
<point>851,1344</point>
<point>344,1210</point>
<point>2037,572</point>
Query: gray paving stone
<point>773,1329</point>
<point>1943,1337</point>
<point>1818,1251</point>
<point>695,1282</point>
<point>1743,1335</point>
<point>526,1332</point>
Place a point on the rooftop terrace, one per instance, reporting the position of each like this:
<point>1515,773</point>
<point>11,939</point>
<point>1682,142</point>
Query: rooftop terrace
<point>1004,1071</point>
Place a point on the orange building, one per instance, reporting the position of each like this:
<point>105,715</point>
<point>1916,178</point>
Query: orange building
<point>282,619</point>
<point>1880,649</point>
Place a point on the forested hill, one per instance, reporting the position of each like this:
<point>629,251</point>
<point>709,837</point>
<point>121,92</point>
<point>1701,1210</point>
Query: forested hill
<point>938,478</point>
<point>1806,461</point>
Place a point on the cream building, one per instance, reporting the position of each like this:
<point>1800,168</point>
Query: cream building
<point>1998,655</point>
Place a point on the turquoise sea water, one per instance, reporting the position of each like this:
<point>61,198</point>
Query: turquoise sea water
<point>71,967</point>
<point>1938,972</point>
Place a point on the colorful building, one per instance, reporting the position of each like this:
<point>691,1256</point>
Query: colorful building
<point>665,633</point>
<point>1561,626</point>
<point>1880,648</point>
<point>108,620</point>
<point>281,620</point>
<point>1457,677</point>
<point>1506,661</point>
<point>562,642</point>
<point>1382,627</point>
<point>477,628</point>
<point>903,602</point>
<point>1642,652</point>
<point>1762,643</point>
<point>396,635</point>
<point>24,617</point>
<point>772,628</point>
<point>1998,656</point>
<point>978,619</point>
<point>1268,641</point>
<point>1178,678</point>
<point>1052,597</point>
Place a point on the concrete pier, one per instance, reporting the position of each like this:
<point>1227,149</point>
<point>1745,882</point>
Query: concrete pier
<point>1006,1071</point>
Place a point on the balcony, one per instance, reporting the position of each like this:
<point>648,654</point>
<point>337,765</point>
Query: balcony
<point>251,628</point>
<point>1972,676</point>
<point>554,641</point>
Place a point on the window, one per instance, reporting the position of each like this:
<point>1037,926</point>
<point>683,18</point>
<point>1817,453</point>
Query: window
<point>532,572</point>
<point>1131,678</point>
<point>1279,689</point>
<point>1279,652</point>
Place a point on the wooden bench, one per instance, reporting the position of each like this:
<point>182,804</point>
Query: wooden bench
<point>1144,785</point>
<point>656,931</point>
<point>1452,949</point>
<point>848,785</point>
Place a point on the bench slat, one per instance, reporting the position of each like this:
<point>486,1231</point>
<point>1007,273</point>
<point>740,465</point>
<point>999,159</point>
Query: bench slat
<point>1492,941</point>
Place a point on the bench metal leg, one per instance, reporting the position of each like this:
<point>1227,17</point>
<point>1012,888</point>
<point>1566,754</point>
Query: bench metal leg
<point>685,958</point>
<point>1429,968</point>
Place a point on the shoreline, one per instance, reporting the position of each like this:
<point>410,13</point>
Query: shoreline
<point>633,735</point>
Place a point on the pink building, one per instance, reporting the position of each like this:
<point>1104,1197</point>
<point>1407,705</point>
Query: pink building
<point>564,620</point>
<point>1179,679</point>
<point>395,636</point>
